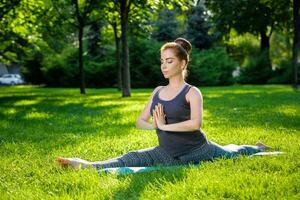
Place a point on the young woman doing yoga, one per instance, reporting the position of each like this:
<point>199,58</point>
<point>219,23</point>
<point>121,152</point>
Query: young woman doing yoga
<point>176,110</point>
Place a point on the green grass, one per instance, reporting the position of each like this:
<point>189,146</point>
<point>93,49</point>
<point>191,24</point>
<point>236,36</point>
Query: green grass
<point>39,124</point>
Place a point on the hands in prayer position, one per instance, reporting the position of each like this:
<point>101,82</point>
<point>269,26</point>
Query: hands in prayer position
<point>159,116</point>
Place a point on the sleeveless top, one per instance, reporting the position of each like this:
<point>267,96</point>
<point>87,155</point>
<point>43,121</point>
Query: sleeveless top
<point>177,110</point>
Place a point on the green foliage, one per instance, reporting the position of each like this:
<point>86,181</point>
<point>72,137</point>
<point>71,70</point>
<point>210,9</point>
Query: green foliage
<point>39,124</point>
<point>19,24</point>
<point>211,67</point>
<point>281,47</point>
<point>101,71</point>
<point>250,16</point>
<point>283,74</point>
<point>145,64</point>
<point>256,71</point>
<point>166,26</point>
<point>32,69</point>
<point>41,36</point>
<point>198,27</point>
<point>94,39</point>
<point>60,69</point>
<point>242,46</point>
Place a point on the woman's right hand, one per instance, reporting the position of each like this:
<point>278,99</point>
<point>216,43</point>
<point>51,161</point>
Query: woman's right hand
<point>154,123</point>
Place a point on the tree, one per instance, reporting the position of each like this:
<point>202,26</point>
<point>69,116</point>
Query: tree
<point>198,27</point>
<point>259,17</point>
<point>94,39</point>
<point>125,8</point>
<point>296,41</point>
<point>166,26</point>
<point>19,22</point>
<point>112,16</point>
<point>124,11</point>
<point>80,14</point>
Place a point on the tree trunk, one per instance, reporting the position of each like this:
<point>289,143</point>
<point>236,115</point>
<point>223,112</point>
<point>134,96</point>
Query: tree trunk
<point>295,42</point>
<point>265,47</point>
<point>118,56</point>
<point>94,38</point>
<point>264,41</point>
<point>80,50</point>
<point>80,59</point>
<point>125,52</point>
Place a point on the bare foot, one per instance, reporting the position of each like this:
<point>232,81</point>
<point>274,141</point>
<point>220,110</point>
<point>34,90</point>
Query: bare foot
<point>262,146</point>
<point>76,163</point>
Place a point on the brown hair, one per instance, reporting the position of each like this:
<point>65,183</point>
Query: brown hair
<point>182,49</point>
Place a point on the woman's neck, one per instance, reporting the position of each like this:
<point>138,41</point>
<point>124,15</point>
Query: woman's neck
<point>176,82</point>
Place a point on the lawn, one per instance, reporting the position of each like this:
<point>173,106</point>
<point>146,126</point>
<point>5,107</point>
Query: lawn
<point>39,124</point>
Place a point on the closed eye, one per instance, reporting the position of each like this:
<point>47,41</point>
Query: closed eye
<point>168,60</point>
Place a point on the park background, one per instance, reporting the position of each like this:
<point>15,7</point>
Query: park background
<point>80,58</point>
<point>116,43</point>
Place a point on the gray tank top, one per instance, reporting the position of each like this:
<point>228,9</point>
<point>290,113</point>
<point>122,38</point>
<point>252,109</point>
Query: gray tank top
<point>177,110</point>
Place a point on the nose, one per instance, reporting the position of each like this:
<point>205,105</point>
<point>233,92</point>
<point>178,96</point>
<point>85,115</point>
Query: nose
<point>163,66</point>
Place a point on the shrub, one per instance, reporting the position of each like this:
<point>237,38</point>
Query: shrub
<point>283,74</point>
<point>211,67</point>
<point>61,69</point>
<point>145,63</point>
<point>256,71</point>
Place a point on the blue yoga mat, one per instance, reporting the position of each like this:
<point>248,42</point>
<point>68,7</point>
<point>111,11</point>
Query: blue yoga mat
<point>133,170</point>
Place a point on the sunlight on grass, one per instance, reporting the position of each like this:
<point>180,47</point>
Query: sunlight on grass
<point>287,110</point>
<point>26,102</point>
<point>37,115</point>
<point>213,95</point>
<point>10,111</point>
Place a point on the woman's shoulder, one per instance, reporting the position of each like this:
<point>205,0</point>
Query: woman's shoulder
<point>156,90</point>
<point>193,92</point>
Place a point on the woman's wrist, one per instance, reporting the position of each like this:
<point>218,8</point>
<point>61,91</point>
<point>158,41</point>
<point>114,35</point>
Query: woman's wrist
<point>152,127</point>
<point>161,127</point>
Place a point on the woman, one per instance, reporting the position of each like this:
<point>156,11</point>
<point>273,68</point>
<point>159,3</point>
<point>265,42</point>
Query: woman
<point>176,110</point>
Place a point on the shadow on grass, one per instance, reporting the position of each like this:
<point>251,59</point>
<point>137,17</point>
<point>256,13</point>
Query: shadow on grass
<point>279,109</point>
<point>43,117</point>
<point>54,116</point>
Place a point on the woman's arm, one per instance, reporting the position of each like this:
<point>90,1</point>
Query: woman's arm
<point>194,97</point>
<point>143,120</point>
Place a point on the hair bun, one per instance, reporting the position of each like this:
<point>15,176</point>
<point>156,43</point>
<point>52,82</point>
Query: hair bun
<point>184,44</point>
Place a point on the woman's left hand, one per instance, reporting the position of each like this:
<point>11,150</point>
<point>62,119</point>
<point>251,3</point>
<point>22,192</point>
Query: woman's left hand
<point>159,116</point>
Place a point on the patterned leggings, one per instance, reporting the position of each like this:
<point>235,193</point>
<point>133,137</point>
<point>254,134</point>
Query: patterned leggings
<point>157,156</point>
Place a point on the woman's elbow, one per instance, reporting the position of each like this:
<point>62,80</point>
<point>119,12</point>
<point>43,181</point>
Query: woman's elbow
<point>137,123</point>
<point>196,125</point>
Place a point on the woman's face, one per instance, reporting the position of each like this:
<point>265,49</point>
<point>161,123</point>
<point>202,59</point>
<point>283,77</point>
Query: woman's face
<point>170,64</point>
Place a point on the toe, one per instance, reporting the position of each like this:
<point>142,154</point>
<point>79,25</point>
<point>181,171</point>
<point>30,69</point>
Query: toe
<point>62,161</point>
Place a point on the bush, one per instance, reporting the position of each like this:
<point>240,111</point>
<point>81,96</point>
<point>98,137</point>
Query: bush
<point>284,73</point>
<point>61,69</point>
<point>145,63</point>
<point>256,71</point>
<point>101,72</point>
<point>32,69</point>
<point>211,67</point>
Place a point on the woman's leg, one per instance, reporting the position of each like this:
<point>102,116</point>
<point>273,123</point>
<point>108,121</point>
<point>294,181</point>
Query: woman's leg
<point>144,157</point>
<point>202,153</point>
<point>140,158</point>
<point>212,150</point>
<point>233,150</point>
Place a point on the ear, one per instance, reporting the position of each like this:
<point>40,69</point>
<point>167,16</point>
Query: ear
<point>184,63</point>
